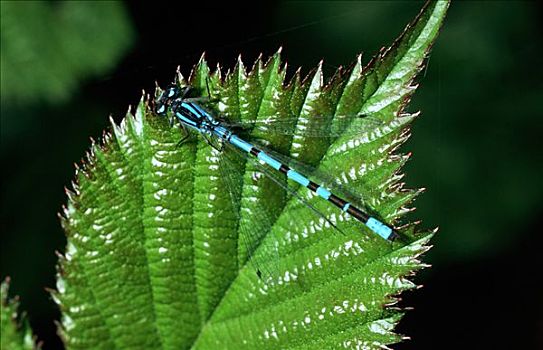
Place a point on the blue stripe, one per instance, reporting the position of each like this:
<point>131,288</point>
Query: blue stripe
<point>185,120</point>
<point>221,132</point>
<point>191,109</point>
<point>379,228</point>
<point>323,192</point>
<point>299,178</point>
<point>346,207</point>
<point>200,109</point>
<point>269,160</point>
<point>236,141</point>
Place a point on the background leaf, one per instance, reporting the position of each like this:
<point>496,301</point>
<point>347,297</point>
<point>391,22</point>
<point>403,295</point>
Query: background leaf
<point>16,333</point>
<point>49,48</point>
<point>154,258</point>
<point>474,148</point>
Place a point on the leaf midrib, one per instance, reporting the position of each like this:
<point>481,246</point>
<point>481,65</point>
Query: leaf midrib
<point>206,322</point>
<point>363,73</point>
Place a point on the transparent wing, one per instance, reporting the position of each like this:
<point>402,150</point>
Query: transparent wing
<point>317,126</point>
<point>318,176</point>
<point>252,232</point>
<point>255,223</point>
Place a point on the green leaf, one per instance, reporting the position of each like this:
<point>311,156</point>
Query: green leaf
<point>155,258</point>
<point>49,48</point>
<point>16,333</point>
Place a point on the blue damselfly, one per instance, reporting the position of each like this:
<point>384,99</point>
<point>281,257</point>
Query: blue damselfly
<point>177,104</point>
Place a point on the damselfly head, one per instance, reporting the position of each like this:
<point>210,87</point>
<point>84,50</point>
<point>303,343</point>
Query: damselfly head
<point>165,99</point>
<point>172,93</point>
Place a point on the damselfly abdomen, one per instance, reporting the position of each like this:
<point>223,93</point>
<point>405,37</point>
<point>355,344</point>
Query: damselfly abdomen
<point>175,103</point>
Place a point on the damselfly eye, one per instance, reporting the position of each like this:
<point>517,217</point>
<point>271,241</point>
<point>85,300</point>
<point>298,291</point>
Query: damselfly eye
<point>161,109</point>
<point>164,101</point>
<point>171,92</point>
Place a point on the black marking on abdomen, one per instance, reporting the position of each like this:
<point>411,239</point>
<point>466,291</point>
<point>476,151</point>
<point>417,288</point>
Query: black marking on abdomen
<point>338,202</point>
<point>357,213</point>
<point>313,186</point>
<point>284,169</point>
<point>254,151</point>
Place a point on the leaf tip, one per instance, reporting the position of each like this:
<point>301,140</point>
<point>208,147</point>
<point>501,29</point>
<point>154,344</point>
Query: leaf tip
<point>202,59</point>
<point>179,78</point>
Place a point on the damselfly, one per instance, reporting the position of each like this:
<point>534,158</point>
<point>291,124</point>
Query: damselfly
<point>177,104</point>
<point>191,115</point>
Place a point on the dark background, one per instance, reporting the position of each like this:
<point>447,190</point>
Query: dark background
<point>477,147</point>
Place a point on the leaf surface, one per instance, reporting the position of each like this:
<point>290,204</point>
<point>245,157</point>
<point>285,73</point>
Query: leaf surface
<point>16,333</point>
<point>158,253</point>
